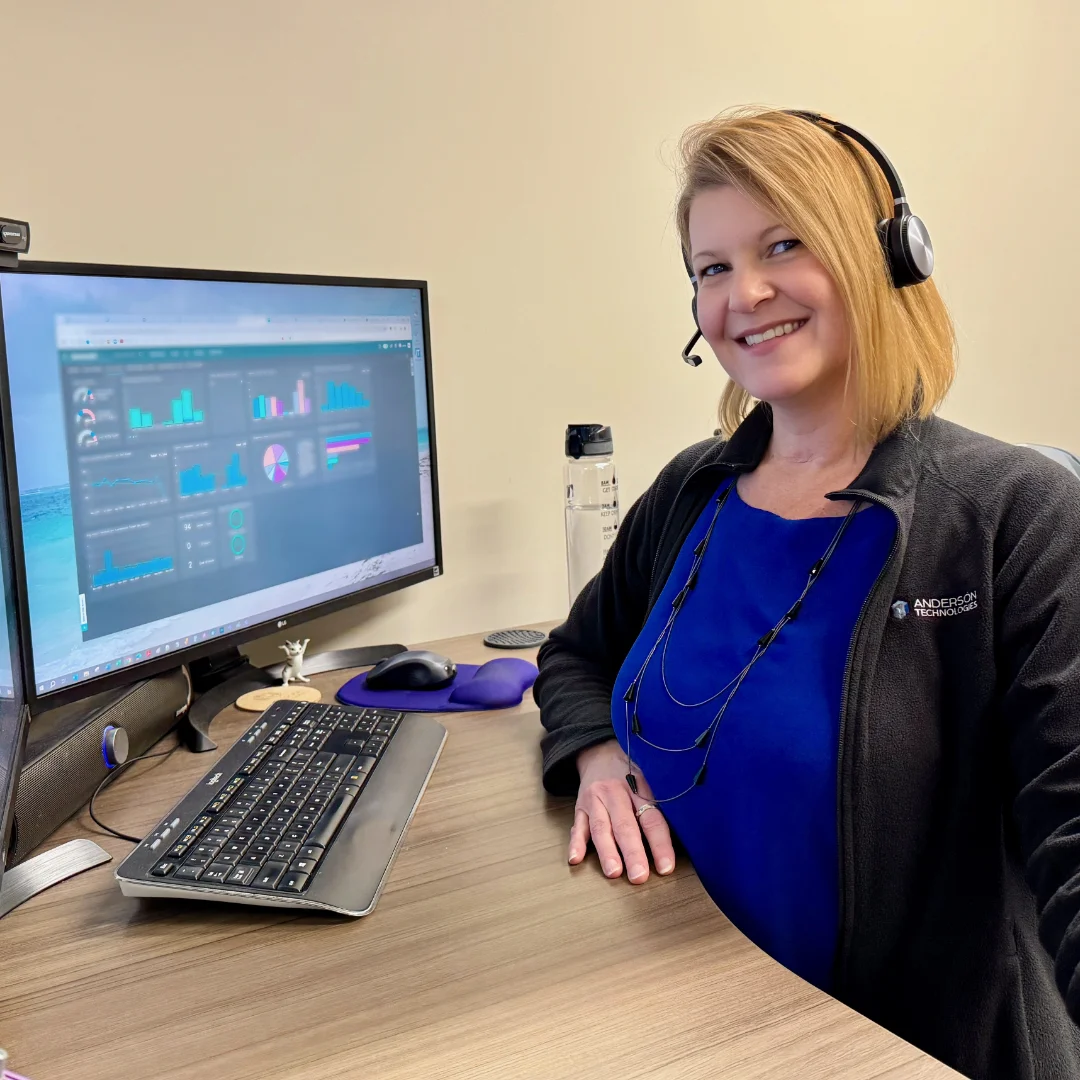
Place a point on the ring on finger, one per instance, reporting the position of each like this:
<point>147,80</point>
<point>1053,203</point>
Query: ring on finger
<point>643,807</point>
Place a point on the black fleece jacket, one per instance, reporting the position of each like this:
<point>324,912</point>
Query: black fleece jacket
<point>958,794</point>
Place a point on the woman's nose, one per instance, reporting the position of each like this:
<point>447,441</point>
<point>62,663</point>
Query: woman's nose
<point>749,286</point>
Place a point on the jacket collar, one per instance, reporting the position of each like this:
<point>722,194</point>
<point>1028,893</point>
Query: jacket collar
<point>888,476</point>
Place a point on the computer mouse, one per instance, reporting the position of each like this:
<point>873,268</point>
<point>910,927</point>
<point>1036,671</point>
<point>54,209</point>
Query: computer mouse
<point>415,669</point>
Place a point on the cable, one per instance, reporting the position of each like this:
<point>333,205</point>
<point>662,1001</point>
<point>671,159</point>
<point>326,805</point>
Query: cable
<point>109,777</point>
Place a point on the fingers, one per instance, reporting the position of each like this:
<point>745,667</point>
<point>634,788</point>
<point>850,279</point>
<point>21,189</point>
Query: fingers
<point>655,827</point>
<point>579,836</point>
<point>605,812</point>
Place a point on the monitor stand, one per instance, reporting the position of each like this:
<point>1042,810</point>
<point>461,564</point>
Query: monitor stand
<point>221,678</point>
<point>49,868</point>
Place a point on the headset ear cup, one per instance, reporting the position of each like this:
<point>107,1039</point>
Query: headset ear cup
<point>908,251</point>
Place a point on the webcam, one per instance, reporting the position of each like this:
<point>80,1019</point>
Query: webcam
<point>14,240</point>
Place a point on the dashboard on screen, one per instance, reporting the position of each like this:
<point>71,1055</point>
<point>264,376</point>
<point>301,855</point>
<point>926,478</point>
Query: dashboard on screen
<point>198,456</point>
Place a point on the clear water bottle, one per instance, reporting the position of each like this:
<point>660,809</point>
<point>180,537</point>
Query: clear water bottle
<point>592,502</point>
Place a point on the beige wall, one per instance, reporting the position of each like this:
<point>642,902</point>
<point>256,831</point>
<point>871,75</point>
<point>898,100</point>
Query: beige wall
<point>516,155</point>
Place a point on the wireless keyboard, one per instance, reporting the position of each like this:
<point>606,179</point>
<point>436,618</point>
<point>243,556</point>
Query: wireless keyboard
<point>308,809</point>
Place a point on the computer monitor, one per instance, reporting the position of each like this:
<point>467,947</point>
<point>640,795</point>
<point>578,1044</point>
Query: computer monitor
<point>201,458</point>
<point>14,715</point>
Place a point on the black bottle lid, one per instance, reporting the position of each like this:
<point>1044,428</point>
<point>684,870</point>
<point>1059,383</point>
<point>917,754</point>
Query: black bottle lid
<point>588,439</point>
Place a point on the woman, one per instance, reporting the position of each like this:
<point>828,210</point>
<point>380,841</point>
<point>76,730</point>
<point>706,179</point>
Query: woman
<point>842,645</point>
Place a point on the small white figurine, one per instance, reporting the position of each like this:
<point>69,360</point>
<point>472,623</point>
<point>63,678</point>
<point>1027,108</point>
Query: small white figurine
<point>294,652</point>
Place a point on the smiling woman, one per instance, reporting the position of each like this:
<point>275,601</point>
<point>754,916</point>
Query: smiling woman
<point>795,199</point>
<point>888,804</point>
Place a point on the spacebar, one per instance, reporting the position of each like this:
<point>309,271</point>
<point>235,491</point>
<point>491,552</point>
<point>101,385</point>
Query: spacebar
<point>330,822</point>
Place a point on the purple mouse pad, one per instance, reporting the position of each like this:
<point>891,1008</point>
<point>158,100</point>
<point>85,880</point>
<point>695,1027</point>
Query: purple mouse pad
<point>498,684</point>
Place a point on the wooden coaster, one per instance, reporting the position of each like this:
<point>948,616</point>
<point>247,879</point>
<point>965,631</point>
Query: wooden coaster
<point>257,700</point>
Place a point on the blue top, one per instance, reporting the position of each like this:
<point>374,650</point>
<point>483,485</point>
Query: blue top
<point>762,829</point>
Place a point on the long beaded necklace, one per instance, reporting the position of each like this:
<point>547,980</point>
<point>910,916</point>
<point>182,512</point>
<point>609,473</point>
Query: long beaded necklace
<point>708,736</point>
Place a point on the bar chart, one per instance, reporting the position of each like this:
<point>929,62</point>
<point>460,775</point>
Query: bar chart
<point>131,553</point>
<point>350,452</point>
<point>182,411</point>
<point>203,468</point>
<point>269,406</point>
<point>114,575</point>
<point>340,398</point>
<point>343,388</point>
<point>165,402</point>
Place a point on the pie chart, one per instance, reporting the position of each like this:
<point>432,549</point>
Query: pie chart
<point>276,463</point>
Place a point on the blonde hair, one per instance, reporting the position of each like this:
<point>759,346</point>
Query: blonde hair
<point>831,194</point>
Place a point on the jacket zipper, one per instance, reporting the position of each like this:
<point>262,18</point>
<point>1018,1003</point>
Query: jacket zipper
<point>843,717</point>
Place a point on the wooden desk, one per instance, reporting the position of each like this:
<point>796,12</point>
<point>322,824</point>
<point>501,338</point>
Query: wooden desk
<point>487,956</point>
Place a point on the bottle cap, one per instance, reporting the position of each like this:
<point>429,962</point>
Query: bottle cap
<point>588,439</point>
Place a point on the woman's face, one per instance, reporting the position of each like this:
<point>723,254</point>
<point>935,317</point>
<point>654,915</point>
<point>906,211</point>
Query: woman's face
<point>767,307</point>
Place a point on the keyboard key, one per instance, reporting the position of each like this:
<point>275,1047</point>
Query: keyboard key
<point>241,875</point>
<point>249,858</point>
<point>230,858</point>
<point>292,882</point>
<point>188,873</point>
<point>332,818</point>
<point>354,745</point>
<point>340,765</point>
<point>206,849</point>
<point>215,872</point>
<point>311,852</point>
<point>269,875</point>
<point>297,834</point>
<point>365,763</point>
<point>302,866</point>
<point>165,868</point>
<point>179,850</point>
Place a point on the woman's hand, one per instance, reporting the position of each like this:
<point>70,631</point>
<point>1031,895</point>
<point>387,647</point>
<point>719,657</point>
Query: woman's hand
<point>606,811</point>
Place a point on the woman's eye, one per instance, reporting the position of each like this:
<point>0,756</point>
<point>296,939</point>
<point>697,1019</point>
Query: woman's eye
<point>714,269</point>
<point>782,246</point>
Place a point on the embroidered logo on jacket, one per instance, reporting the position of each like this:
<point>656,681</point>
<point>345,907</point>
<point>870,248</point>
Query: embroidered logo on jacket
<point>946,605</point>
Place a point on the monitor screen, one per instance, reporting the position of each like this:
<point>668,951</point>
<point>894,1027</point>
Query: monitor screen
<point>13,715</point>
<point>202,455</point>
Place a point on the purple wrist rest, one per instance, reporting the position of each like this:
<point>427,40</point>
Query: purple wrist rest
<point>498,684</point>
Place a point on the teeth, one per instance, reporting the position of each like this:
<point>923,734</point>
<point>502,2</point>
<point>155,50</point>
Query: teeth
<point>773,332</point>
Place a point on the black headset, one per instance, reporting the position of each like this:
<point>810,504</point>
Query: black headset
<point>904,239</point>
